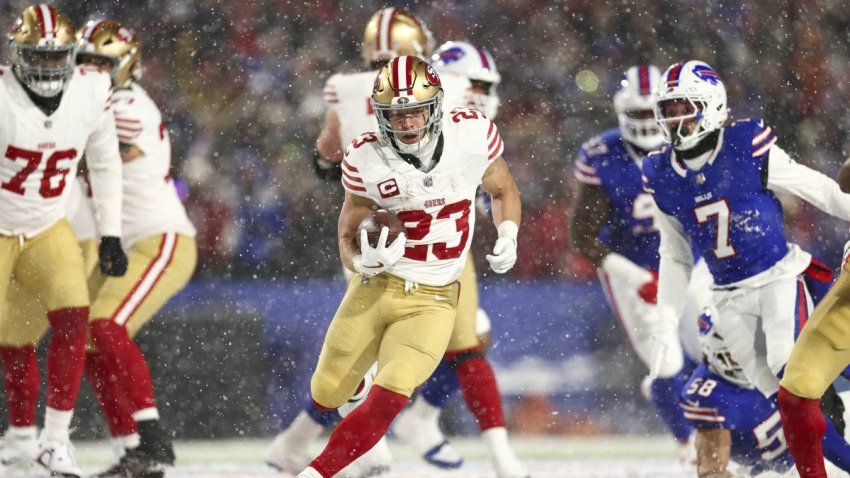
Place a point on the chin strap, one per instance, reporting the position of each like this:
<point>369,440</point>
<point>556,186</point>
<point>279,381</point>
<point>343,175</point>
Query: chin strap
<point>703,146</point>
<point>416,162</point>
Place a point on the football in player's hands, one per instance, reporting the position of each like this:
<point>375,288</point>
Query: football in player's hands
<point>376,221</point>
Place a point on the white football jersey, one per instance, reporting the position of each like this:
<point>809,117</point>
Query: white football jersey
<point>437,207</point>
<point>349,94</point>
<point>80,209</point>
<point>151,204</point>
<point>41,153</point>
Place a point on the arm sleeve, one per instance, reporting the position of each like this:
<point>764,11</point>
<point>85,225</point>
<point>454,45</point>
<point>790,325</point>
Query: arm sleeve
<point>674,270</point>
<point>104,163</point>
<point>784,175</point>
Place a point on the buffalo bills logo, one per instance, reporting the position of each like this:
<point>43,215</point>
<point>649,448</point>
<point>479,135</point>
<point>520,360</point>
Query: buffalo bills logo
<point>431,76</point>
<point>451,55</point>
<point>705,73</point>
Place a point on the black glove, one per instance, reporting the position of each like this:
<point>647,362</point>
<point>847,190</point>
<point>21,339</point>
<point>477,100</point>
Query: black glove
<point>113,260</point>
<point>325,169</point>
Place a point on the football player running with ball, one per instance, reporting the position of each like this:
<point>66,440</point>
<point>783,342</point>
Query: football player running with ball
<point>53,113</point>
<point>390,32</point>
<point>400,307</point>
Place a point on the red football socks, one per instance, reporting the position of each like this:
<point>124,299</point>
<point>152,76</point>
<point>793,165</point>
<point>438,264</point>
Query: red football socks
<point>480,391</point>
<point>125,361</point>
<point>113,401</point>
<point>804,427</point>
<point>22,384</point>
<point>66,356</point>
<point>358,432</point>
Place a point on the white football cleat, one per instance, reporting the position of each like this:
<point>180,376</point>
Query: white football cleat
<point>504,459</point>
<point>57,456</point>
<point>18,451</point>
<point>419,427</point>
<point>288,455</point>
<point>374,462</point>
<point>309,472</point>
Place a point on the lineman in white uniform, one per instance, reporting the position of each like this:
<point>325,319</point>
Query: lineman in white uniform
<point>162,257</point>
<point>54,113</point>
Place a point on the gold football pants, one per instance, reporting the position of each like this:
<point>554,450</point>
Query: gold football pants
<point>158,267</point>
<point>822,350</point>
<point>43,273</point>
<point>463,335</point>
<point>406,331</point>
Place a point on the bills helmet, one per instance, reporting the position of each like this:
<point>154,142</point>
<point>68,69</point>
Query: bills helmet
<point>690,90</point>
<point>116,46</point>
<point>395,32</point>
<point>634,103</point>
<point>42,45</point>
<point>407,83</point>
<point>476,64</point>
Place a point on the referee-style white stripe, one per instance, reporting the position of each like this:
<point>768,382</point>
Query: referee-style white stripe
<point>384,40</point>
<point>48,21</point>
<point>147,281</point>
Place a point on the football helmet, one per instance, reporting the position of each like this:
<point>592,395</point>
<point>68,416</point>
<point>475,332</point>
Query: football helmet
<point>42,46</point>
<point>476,64</point>
<point>634,103</point>
<point>690,90</point>
<point>395,32</point>
<point>407,83</point>
<point>118,44</point>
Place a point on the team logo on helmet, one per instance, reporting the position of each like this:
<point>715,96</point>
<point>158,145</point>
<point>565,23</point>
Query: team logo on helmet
<point>431,76</point>
<point>452,55</point>
<point>705,73</point>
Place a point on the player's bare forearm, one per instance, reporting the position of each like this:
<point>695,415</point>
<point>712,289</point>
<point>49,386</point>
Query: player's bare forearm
<point>328,144</point>
<point>500,185</point>
<point>713,447</point>
<point>591,207</point>
<point>354,210</point>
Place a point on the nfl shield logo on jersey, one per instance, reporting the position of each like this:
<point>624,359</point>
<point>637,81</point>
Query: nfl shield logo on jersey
<point>428,181</point>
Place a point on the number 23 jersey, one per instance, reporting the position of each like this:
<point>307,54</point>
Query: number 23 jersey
<point>436,207</point>
<point>40,153</point>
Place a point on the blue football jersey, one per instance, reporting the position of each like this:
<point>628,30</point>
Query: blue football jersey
<point>630,231</point>
<point>725,206</point>
<point>709,401</point>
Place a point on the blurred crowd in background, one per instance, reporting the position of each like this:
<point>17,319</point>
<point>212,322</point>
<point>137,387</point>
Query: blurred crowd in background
<point>240,84</point>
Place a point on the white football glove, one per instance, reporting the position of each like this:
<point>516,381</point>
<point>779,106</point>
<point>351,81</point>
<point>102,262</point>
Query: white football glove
<point>374,260</point>
<point>667,356</point>
<point>504,252</point>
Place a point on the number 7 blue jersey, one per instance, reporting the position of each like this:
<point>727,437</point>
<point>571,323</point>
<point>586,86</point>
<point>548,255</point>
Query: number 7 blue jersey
<point>725,206</point>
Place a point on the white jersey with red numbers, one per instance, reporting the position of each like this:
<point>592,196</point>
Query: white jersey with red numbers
<point>348,94</point>
<point>151,204</point>
<point>437,207</point>
<point>41,153</point>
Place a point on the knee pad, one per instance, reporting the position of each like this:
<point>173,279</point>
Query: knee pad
<point>399,377</point>
<point>325,391</point>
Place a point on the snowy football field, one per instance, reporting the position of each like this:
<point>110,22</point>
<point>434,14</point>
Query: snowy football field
<point>547,457</point>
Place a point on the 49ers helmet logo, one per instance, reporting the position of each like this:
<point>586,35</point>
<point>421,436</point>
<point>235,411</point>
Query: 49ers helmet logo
<point>431,75</point>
